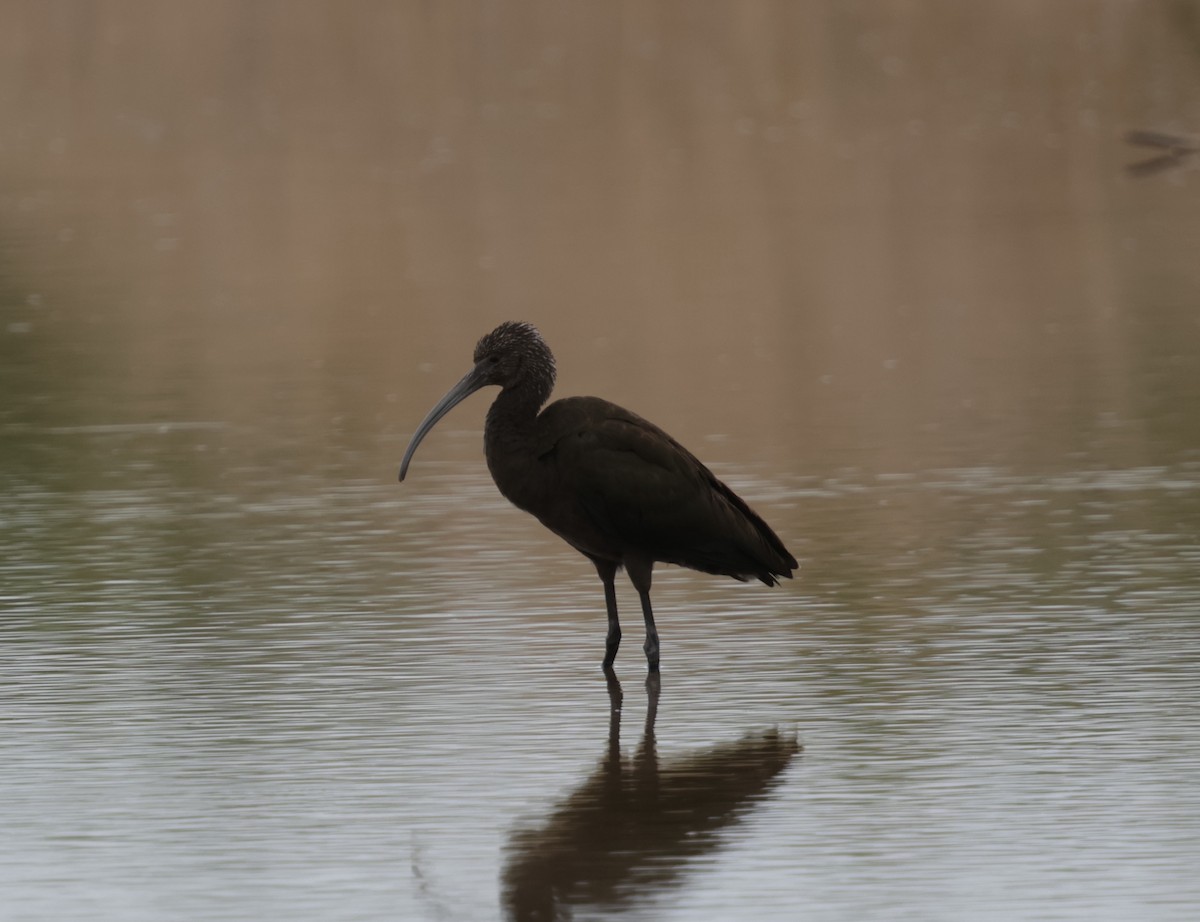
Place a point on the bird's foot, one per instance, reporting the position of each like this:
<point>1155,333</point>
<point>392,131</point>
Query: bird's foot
<point>651,648</point>
<point>611,644</point>
<point>654,684</point>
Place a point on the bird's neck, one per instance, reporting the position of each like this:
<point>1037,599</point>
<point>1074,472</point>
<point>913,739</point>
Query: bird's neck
<point>511,420</point>
<point>511,446</point>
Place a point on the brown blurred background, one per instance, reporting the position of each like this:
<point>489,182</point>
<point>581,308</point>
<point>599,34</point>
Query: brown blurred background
<point>870,231</point>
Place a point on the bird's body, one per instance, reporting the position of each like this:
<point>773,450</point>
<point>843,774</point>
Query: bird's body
<point>612,485</point>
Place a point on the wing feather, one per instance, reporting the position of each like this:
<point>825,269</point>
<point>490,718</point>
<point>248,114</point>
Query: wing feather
<point>654,498</point>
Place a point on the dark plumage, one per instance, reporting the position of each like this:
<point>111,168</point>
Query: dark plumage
<point>612,485</point>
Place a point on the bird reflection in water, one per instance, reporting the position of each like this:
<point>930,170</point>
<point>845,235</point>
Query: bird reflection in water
<point>632,828</point>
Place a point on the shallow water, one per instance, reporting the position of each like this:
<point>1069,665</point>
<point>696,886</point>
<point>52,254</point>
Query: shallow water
<point>878,264</point>
<point>334,699</point>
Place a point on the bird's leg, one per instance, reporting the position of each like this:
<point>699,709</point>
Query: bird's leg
<point>639,574</point>
<point>608,572</point>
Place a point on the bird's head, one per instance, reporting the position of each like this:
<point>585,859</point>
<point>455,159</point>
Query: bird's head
<point>515,353</point>
<point>514,357</point>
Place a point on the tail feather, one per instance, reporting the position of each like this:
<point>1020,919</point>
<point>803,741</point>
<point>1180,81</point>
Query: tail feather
<point>762,549</point>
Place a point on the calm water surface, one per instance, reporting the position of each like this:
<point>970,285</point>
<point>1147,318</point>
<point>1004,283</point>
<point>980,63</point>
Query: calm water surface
<point>330,697</point>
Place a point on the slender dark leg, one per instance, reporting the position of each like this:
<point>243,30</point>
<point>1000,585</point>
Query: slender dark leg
<point>639,574</point>
<point>608,572</point>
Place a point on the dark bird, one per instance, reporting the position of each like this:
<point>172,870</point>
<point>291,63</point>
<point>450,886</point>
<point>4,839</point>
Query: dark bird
<point>612,485</point>
<point>1172,149</point>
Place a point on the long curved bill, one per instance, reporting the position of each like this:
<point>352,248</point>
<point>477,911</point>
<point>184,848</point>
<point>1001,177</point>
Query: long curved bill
<point>472,381</point>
